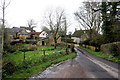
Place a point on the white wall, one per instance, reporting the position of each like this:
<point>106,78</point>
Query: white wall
<point>75,39</point>
<point>43,34</point>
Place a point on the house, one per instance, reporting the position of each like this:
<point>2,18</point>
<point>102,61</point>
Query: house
<point>85,35</point>
<point>76,39</point>
<point>34,35</point>
<point>49,40</point>
<point>80,36</point>
<point>19,33</point>
<point>43,34</point>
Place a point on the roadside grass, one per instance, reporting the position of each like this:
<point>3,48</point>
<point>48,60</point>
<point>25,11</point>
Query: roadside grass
<point>102,55</point>
<point>25,73</point>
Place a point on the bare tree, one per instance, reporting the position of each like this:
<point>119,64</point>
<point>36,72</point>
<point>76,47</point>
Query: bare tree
<point>3,7</point>
<point>55,20</point>
<point>89,19</point>
<point>65,25</point>
<point>31,24</point>
<point>44,28</point>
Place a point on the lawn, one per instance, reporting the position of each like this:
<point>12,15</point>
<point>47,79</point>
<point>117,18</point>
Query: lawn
<point>33,60</point>
<point>102,55</point>
<point>45,48</point>
<point>17,57</point>
<point>25,44</point>
<point>25,73</point>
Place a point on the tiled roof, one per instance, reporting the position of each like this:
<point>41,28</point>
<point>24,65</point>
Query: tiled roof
<point>79,33</point>
<point>16,29</point>
<point>24,34</point>
<point>34,32</point>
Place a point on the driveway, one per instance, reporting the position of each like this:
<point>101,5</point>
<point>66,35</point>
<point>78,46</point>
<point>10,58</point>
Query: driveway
<point>84,65</point>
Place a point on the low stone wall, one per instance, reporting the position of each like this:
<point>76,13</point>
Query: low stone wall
<point>105,47</point>
<point>90,47</point>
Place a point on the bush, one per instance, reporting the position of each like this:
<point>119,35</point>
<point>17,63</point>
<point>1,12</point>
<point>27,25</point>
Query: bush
<point>10,48</point>
<point>9,68</point>
<point>32,48</point>
<point>86,42</point>
<point>113,49</point>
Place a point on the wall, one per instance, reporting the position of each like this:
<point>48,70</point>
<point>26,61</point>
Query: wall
<point>105,47</point>
<point>84,37</point>
<point>76,39</point>
<point>49,41</point>
<point>43,34</point>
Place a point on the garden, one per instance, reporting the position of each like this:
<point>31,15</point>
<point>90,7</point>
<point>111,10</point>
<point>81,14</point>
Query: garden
<point>27,60</point>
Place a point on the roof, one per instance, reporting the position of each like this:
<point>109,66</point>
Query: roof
<point>24,34</point>
<point>42,38</point>
<point>16,29</point>
<point>27,28</point>
<point>35,33</point>
<point>79,33</point>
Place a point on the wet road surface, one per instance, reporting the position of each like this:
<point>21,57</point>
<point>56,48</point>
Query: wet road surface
<point>83,66</point>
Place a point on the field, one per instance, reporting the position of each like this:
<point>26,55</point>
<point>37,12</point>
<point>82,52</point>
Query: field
<point>22,63</point>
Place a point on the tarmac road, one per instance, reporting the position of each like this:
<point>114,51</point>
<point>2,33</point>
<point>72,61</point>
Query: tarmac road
<point>84,65</point>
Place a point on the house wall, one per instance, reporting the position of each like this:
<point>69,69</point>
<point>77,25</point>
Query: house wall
<point>23,36</point>
<point>17,35</point>
<point>76,39</point>
<point>84,37</point>
<point>59,40</point>
<point>35,36</point>
<point>43,34</point>
<point>49,41</point>
<point>40,42</point>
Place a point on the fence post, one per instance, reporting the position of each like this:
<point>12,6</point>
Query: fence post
<point>24,56</point>
<point>44,52</point>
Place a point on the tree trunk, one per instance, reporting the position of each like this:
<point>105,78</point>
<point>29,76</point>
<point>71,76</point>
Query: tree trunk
<point>55,42</point>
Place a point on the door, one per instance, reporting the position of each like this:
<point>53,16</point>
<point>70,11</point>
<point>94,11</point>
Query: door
<point>43,43</point>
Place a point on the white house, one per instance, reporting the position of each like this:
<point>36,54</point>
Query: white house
<point>43,34</point>
<point>76,39</point>
<point>80,36</point>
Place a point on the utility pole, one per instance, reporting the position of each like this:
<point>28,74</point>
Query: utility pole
<point>3,7</point>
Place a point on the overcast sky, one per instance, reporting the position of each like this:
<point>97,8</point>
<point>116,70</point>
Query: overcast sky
<point>19,11</point>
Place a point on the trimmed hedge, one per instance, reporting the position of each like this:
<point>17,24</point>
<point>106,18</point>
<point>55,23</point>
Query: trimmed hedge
<point>111,48</point>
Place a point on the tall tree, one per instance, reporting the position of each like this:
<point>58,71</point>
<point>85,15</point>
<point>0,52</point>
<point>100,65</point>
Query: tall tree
<point>3,6</point>
<point>31,24</point>
<point>110,18</point>
<point>55,21</point>
<point>88,18</point>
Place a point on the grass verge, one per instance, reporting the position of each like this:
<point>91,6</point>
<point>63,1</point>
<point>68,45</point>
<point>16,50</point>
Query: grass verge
<point>25,73</point>
<point>102,55</point>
